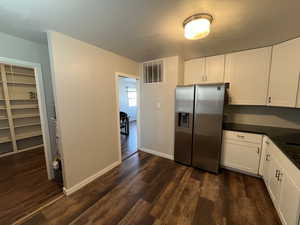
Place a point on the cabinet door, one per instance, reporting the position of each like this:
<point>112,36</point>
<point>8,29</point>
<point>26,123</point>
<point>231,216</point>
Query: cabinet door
<point>248,74</point>
<point>274,184</point>
<point>264,166</point>
<point>214,69</point>
<point>241,156</point>
<point>289,201</point>
<point>194,71</point>
<point>284,76</point>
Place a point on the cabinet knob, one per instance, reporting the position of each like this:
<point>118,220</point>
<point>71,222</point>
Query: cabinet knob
<point>268,157</point>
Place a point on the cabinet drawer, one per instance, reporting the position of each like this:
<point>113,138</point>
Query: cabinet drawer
<point>242,136</point>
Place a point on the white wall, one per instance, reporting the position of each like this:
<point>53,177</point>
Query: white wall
<point>263,116</point>
<point>123,97</point>
<point>157,109</point>
<point>17,48</point>
<point>84,81</point>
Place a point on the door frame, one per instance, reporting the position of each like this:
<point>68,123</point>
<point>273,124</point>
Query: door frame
<point>42,106</point>
<point>137,78</point>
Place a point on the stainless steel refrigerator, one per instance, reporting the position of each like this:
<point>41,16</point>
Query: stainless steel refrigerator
<point>198,125</point>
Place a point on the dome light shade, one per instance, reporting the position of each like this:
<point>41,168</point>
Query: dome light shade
<point>197,26</point>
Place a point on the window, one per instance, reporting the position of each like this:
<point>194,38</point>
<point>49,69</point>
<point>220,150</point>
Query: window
<point>131,93</point>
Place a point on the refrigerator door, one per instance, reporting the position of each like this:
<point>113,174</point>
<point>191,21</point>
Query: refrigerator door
<point>207,140</point>
<point>184,113</point>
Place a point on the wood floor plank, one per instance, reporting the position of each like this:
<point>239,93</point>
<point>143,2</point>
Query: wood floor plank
<point>129,143</point>
<point>149,190</point>
<point>170,195</point>
<point>166,213</point>
<point>122,198</point>
<point>184,209</point>
<point>139,214</point>
<point>24,185</point>
<point>69,209</point>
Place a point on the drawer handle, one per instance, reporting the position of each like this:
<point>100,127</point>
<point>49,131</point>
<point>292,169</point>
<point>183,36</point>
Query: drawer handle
<point>240,136</point>
<point>268,157</point>
<point>258,150</point>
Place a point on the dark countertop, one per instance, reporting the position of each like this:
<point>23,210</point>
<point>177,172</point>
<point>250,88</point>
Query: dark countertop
<point>287,140</point>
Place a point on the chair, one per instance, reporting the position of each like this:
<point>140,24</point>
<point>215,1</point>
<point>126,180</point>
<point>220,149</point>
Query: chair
<point>124,123</point>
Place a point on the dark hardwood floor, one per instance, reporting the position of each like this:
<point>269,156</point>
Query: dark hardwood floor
<point>24,186</point>
<point>150,190</point>
<point>129,143</point>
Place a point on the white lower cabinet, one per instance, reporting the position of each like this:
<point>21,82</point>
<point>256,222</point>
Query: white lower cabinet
<point>242,154</point>
<point>284,192</point>
<point>289,201</point>
<point>265,167</point>
<point>274,185</point>
<point>241,151</point>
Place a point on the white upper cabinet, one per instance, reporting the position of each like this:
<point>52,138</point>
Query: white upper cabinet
<point>214,69</point>
<point>194,71</point>
<point>284,76</point>
<point>204,70</point>
<point>248,75</point>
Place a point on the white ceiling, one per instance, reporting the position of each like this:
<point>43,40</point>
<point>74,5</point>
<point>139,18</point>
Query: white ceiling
<point>148,29</point>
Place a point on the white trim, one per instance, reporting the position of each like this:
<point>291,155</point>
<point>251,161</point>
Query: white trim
<point>76,187</point>
<point>42,107</point>
<point>127,75</point>
<point>57,109</point>
<point>157,153</point>
<point>24,150</point>
<point>30,215</point>
<point>117,74</point>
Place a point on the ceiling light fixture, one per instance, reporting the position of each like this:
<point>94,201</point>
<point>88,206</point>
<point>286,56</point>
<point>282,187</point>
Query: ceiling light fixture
<point>197,26</point>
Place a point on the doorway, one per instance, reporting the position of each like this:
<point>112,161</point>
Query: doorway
<point>128,109</point>
<point>25,175</point>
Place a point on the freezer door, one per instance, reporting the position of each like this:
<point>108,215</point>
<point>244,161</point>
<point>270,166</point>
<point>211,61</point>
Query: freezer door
<point>184,111</point>
<point>207,140</point>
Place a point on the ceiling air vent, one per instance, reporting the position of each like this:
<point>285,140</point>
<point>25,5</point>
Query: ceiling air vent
<point>153,72</point>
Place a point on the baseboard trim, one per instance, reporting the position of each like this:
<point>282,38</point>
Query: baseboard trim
<point>157,153</point>
<point>76,187</point>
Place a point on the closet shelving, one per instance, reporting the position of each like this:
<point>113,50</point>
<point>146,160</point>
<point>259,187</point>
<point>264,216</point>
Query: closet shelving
<point>20,116</point>
<point>20,125</point>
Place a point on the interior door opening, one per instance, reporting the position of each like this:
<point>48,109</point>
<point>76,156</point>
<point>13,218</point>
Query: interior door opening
<point>128,109</point>
<point>23,145</point>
